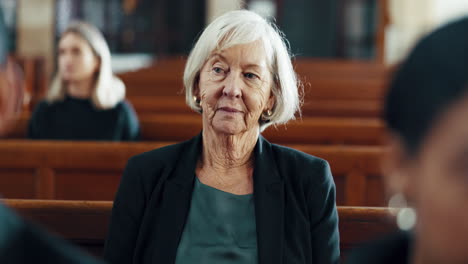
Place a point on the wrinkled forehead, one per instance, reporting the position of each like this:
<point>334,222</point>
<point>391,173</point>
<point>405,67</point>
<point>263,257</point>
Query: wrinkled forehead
<point>256,53</point>
<point>250,55</point>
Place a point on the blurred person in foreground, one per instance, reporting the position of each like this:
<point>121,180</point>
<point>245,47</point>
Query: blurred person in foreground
<point>11,95</point>
<point>85,101</point>
<point>22,242</point>
<point>426,166</point>
<point>11,84</point>
<point>228,195</point>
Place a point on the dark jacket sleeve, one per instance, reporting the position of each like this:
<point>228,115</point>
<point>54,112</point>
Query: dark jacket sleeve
<point>324,220</point>
<point>131,126</point>
<point>126,216</point>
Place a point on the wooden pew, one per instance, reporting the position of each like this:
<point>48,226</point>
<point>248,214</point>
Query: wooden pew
<point>85,223</point>
<point>313,107</point>
<point>308,130</point>
<point>162,78</point>
<point>65,170</point>
<point>336,88</point>
<point>162,104</point>
<point>168,74</point>
<point>342,88</point>
<point>91,170</point>
<point>358,225</point>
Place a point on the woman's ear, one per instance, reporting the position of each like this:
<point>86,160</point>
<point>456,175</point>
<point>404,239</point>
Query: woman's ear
<point>271,102</point>
<point>97,67</point>
<point>196,93</point>
<point>196,87</point>
<point>272,99</point>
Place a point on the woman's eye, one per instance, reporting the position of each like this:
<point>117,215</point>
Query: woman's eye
<point>250,75</point>
<point>218,70</point>
<point>76,51</point>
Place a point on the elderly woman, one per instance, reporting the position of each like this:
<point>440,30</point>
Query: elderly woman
<point>85,100</point>
<point>228,195</point>
<point>427,163</point>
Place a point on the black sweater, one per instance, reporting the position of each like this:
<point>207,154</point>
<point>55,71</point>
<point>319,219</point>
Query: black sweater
<point>78,119</point>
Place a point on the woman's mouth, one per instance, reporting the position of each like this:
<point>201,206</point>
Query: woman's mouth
<point>229,110</point>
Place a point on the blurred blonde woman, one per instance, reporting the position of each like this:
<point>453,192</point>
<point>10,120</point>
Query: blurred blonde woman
<point>22,241</point>
<point>85,100</point>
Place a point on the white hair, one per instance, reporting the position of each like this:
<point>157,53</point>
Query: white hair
<point>242,27</point>
<point>109,90</point>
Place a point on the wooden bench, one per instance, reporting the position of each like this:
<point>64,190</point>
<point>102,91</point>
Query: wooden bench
<point>308,130</point>
<point>321,107</point>
<point>168,74</point>
<point>337,88</point>
<point>91,170</point>
<point>85,223</point>
<point>331,87</point>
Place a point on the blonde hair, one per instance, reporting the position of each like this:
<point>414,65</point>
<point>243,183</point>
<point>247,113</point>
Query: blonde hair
<point>242,27</point>
<point>109,90</point>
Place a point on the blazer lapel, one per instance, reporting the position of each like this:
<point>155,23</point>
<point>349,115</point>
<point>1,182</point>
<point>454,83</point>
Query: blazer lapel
<point>269,205</point>
<point>176,199</point>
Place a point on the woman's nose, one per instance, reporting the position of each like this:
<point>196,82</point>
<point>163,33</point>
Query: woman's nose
<point>65,58</point>
<point>233,86</point>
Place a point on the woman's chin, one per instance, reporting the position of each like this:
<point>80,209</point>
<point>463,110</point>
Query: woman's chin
<point>69,78</point>
<point>228,131</point>
<point>228,128</point>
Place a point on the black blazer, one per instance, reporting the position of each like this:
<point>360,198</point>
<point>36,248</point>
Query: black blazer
<point>294,196</point>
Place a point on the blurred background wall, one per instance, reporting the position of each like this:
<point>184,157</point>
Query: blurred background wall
<point>141,30</point>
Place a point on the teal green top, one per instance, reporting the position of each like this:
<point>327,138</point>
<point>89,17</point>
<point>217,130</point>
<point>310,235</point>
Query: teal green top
<point>220,228</point>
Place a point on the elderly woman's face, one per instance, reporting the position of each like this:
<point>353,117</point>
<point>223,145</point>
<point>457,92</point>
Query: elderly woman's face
<point>437,183</point>
<point>235,88</point>
<point>76,59</point>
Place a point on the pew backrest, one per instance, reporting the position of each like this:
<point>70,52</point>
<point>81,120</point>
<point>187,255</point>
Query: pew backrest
<point>85,223</point>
